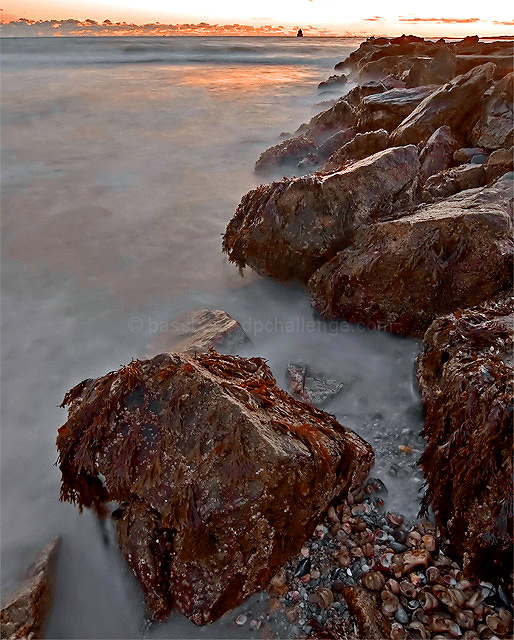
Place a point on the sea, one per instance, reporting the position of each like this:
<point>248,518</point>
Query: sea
<point>123,159</point>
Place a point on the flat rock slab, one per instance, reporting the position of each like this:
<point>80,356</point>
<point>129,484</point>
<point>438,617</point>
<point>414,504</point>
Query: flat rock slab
<point>465,374</point>
<point>289,228</point>
<point>26,613</point>
<point>399,275</point>
<point>219,475</point>
<point>386,110</point>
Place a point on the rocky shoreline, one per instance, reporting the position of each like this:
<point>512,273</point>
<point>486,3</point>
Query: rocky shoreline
<point>397,215</point>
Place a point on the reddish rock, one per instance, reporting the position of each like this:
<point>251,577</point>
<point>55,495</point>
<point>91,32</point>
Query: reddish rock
<point>386,110</point>
<point>355,95</point>
<point>286,153</point>
<point>289,228</point>
<point>359,147</point>
<point>455,104</point>
<point>364,608</point>
<point>26,613</point>
<point>465,374</point>
<point>399,275</point>
<point>466,154</point>
<point>437,154</point>
<point>220,475</point>
<point>503,63</point>
<point>452,181</point>
<point>495,129</point>
<point>198,331</point>
<point>335,142</point>
<point>499,163</point>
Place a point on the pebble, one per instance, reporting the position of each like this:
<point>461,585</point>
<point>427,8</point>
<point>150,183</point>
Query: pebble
<point>241,619</point>
<point>401,615</point>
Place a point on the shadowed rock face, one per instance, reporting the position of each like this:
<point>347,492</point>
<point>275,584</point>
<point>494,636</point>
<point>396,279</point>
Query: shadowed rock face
<point>399,275</point>
<point>289,228</point>
<point>455,104</point>
<point>465,375</point>
<point>437,154</point>
<point>219,475</point>
<point>26,613</point>
<point>358,148</point>
<point>495,129</point>
<point>386,110</point>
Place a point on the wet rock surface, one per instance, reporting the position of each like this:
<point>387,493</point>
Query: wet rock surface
<point>465,374</point>
<point>25,614</point>
<point>399,275</point>
<point>289,228</point>
<point>219,475</point>
<point>312,386</point>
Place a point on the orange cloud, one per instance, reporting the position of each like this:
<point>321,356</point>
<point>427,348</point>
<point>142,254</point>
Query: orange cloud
<point>442,20</point>
<point>373,19</point>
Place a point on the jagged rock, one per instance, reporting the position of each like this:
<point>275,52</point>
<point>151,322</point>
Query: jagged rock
<point>312,386</point>
<point>220,475</point>
<point>451,181</point>
<point>503,63</point>
<point>334,82</point>
<point>355,95</point>
<point>26,613</point>
<point>288,152</point>
<point>437,154</point>
<point>444,64</point>
<point>335,142</point>
<point>359,147</point>
<point>465,374</point>
<point>495,129</point>
<point>324,124</point>
<point>399,275</point>
<point>466,154</point>
<point>364,608</point>
<point>455,104</point>
<point>289,228</point>
<point>386,110</point>
<point>198,331</point>
<point>499,163</point>
<point>391,82</point>
<point>421,75</point>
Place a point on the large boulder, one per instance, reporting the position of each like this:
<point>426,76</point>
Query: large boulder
<point>359,147</point>
<point>386,110</point>
<point>219,475</point>
<point>455,104</point>
<point>25,614</point>
<point>289,228</point>
<point>399,275</point>
<point>495,129</point>
<point>451,181</point>
<point>465,374</point>
<point>437,154</point>
<point>503,63</point>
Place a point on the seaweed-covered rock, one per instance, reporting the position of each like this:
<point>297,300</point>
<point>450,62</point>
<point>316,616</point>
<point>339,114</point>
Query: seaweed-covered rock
<point>437,154</point>
<point>399,275</point>
<point>455,104</point>
<point>495,129</point>
<point>465,374</point>
<point>25,614</point>
<point>219,475</point>
<point>359,147</point>
<point>387,109</point>
<point>289,228</point>
<point>286,153</point>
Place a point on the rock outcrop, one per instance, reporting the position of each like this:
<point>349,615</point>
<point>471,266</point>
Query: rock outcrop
<point>289,228</point>
<point>219,475</point>
<point>387,109</point>
<point>286,153</point>
<point>399,275</point>
<point>359,147</point>
<point>465,374</point>
<point>26,613</point>
<point>451,181</point>
<point>455,104</point>
<point>495,129</point>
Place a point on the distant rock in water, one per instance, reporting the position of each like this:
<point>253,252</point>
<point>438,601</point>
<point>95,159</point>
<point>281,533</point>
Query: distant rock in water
<point>26,613</point>
<point>299,34</point>
<point>465,373</point>
<point>219,475</point>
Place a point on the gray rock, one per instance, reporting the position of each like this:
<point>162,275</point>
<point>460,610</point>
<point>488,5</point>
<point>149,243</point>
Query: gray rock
<point>437,154</point>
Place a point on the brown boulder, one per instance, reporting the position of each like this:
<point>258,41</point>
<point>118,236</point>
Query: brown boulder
<point>437,154</point>
<point>465,374</point>
<point>495,129</point>
<point>26,613</point>
<point>451,181</point>
<point>499,163</point>
<point>504,64</point>
<point>289,228</point>
<point>359,147</point>
<point>340,116</point>
<point>286,153</point>
<point>386,110</point>
<point>455,104</point>
<point>420,75</point>
<point>335,142</point>
<point>220,475</point>
<point>399,275</point>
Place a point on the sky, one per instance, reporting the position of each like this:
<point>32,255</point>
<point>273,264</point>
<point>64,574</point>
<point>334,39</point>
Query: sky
<point>373,17</point>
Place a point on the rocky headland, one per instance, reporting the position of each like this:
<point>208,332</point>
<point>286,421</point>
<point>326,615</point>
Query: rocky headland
<point>397,213</point>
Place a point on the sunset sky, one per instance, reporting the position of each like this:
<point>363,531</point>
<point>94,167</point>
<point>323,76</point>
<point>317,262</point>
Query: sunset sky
<point>438,17</point>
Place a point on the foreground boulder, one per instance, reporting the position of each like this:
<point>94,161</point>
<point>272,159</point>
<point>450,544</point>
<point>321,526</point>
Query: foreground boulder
<point>26,613</point>
<point>220,475</point>
<point>289,228</point>
<point>399,275</point>
<point>465,373</point>
<point>455,104</point>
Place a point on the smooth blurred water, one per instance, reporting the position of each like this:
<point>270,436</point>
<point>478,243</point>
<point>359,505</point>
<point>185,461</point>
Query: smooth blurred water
<point>122,162</point>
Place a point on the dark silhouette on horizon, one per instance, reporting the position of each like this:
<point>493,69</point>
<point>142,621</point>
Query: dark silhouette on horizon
<point>299,34</point>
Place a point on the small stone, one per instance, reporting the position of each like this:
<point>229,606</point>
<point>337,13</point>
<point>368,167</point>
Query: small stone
<point>241,619</point>
<point>404,448</point>
<point>304,566</point>
<point>315,574</point>
<point>401,615</point>
<point>305,552</point>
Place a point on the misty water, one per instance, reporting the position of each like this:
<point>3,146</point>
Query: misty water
<point>122,162</point>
